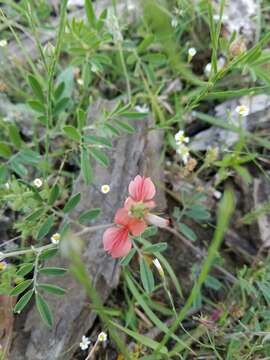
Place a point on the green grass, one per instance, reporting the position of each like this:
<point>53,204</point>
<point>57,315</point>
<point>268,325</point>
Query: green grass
<point>135,64</point>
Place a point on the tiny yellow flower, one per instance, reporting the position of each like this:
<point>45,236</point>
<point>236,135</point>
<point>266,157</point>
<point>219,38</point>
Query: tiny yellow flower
<point>38,183</point>
<point>102,337</point>
<point>105,188</point>
<point>180,137</point>
<point>242,110</point>
<point>55,238</point>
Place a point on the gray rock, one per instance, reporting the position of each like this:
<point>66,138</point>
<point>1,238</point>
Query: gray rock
<point>258,118</point>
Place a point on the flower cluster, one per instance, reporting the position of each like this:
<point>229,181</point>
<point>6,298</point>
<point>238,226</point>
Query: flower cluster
<point>181,148</point>
<point>133,218</point>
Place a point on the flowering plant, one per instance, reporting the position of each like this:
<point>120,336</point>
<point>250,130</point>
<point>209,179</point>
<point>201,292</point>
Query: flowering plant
<point>133,218</point>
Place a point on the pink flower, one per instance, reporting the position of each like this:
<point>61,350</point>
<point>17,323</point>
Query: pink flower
<point>133,218</point>
<point>116,240</point>
<point>141,190</point>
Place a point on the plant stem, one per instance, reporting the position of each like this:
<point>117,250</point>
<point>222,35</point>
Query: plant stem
<point>50,246</point>
<point>123,63</point>
<point>51,73</point>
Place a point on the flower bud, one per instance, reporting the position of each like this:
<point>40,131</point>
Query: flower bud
<point>237,47</point>
<point>49,49</point>
<point>156,220</point>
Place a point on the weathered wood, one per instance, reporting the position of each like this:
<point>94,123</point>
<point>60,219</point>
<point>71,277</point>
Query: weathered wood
<point>73,316</point>
<point>6,323</point>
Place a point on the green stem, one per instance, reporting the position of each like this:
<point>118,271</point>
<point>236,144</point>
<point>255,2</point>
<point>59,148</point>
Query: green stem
<point>51,74</point>
<point>123,63</point>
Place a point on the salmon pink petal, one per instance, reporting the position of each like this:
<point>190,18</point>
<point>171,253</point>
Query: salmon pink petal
<point>110,236</point>
<point>122,249</point>
<point>116,241</point>
<point>137,227</point>
<point>142,189</point>
<point>148,190</point>
<point>122,217</point>
<point>135,188</point>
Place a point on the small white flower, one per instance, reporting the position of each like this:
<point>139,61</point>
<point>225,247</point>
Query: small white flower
<point>3,43</point>
<point>55,238</point>
<point>105,189</point>
<point>192,52</point>
<point>80,82</point>
<point>207,69</point>
<point>142,108</point>
<point>7,185</point>
<point>85,342</point>
<point>242,110</point>
<point>38,183</point>
<point>174,22</point>
<point>180,137</point>
<point>158,267</point>
<point>220,64</point>
<point>217,194</point>
<point>102,337</point>
<point>183,151</point>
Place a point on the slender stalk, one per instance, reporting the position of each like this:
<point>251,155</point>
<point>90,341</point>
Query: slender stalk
<point>40,249</point>
<point>123,63</point>
<point>92,351</point>
<point>51,74</point>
